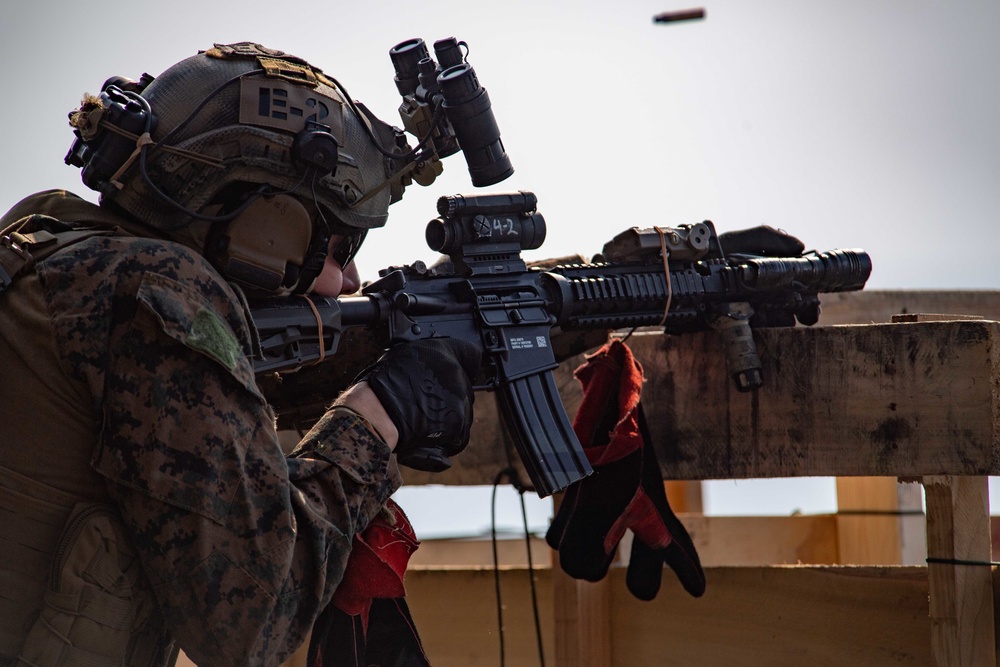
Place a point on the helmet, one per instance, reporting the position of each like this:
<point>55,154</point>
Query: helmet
<point>250,155</point>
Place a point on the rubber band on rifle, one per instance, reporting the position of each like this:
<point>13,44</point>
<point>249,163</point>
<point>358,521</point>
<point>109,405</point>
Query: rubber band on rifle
<point>665,254</point>
<point>319,328</point>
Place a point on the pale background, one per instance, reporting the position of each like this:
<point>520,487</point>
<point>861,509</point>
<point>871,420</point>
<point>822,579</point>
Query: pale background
<point>870,124</point>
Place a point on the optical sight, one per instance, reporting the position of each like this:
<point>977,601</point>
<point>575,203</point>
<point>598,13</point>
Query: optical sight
<point>500,222</point>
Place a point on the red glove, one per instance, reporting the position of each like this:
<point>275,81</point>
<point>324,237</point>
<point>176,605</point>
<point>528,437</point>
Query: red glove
<point>626,489</point>
<point>368,621</point>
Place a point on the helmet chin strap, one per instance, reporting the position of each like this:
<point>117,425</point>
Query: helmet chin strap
<point>319,244</point>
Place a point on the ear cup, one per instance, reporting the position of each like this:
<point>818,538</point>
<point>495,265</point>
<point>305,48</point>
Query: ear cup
<point>266,245</point>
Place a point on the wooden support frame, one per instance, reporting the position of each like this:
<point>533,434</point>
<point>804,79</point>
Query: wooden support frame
<point>918,400</point>
<point>960,573</point>
<point>900,400</point>
<point>751,616</point>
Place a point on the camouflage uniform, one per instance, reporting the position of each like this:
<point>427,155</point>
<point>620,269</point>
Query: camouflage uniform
<point>126,369</point>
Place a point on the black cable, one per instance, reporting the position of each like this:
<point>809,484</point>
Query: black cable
<point>531,579</point>
<point>208,98</point>
<point>960,561</point>
<point>515,481</point>
<point>496,564</point>
<point>162,144</point>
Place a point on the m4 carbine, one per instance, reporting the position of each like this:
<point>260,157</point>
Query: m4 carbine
<point>679,279</point>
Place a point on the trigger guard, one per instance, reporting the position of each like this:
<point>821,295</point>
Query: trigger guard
<point>428,459</point>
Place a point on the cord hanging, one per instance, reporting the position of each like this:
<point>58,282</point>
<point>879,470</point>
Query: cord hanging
<point>515,480</point>
<point>665,254</point>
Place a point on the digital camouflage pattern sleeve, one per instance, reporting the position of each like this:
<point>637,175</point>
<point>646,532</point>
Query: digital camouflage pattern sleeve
<point>242,546</point>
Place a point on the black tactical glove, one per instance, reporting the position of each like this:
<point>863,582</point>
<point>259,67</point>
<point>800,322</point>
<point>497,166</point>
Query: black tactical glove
<point>426,389</point>
<point>762,240</point>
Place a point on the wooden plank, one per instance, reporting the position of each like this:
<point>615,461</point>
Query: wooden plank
<point>773,616</point>
<point>867,400</point>
<point>763,540</point>
<point>961,587</point>
<point>455,613</point>
<point>870,306</point>
<point>479,552</point>
<point>895,399</point>
<point>720,540</point>
<point>995,534</point>
<point>779,617</point>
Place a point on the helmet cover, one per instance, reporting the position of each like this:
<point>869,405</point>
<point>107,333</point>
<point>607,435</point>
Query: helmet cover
<point>230,115</point>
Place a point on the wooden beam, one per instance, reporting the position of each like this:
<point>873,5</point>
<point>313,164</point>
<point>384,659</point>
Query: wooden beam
<point>870,400</point>
<point>749,616</point>
<point>456,615</point>
<point>871,306</point>
<point>582,618</point>
<point>876,400</point>
<point>720,540</point>
<point>779,617</point>
<point>961,586</point>
<point>434,553</point>
<point>763,540</point>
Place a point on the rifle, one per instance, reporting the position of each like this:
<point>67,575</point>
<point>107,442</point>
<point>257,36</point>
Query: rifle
<point>678,279</point>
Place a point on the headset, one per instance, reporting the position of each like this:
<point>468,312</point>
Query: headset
<point>264,239</point>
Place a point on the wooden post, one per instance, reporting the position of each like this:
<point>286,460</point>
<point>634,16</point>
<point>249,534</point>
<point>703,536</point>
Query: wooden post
<point>685,497</point>
<point>582,617</point>
<point>960,577</point>
<point>879,522</point>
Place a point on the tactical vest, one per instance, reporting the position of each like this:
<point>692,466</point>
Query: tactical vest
<point>74,557</point>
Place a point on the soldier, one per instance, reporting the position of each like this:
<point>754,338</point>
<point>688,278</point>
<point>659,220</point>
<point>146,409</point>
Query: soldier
<point>146,503</point>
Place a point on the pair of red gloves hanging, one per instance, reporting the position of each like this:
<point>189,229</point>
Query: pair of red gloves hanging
<point>626,490</point>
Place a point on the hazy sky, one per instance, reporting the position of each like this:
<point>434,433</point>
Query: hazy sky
<point>870,124</point>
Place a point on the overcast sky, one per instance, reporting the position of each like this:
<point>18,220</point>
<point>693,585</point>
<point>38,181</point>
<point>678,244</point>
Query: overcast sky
<point>870,124</point>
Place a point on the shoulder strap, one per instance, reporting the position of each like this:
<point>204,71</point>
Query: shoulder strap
<point>19,251</point>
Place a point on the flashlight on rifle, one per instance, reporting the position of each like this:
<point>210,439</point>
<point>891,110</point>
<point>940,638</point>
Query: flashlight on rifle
<point>448,110</point>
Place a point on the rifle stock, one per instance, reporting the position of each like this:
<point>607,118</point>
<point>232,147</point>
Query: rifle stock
<point>678,279</point>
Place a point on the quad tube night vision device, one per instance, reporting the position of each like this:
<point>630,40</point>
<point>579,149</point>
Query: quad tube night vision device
<point>446,107</point>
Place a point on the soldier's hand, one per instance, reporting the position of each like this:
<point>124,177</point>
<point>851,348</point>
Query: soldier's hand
<point>426,389</point>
